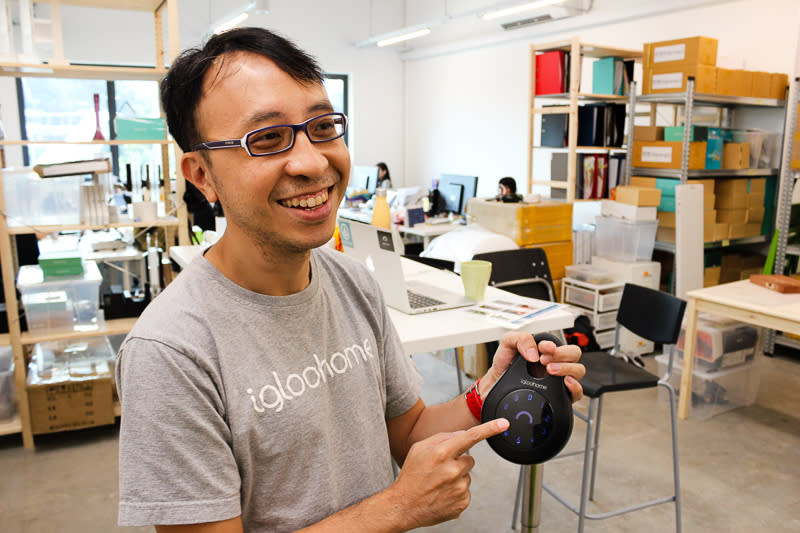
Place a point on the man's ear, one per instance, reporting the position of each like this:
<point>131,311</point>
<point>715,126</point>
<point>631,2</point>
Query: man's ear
<point>195,169</point>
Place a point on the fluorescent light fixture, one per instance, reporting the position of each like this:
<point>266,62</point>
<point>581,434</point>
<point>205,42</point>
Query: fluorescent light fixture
<point>519,9</point>
<point>404,37</point>
<point>238,19</point>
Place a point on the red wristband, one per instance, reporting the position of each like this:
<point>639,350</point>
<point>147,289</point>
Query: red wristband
<point>474,400</point>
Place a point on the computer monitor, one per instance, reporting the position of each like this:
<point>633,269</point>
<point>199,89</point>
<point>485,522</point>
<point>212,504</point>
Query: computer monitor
<point>456,190</point>
<point>362,177</point>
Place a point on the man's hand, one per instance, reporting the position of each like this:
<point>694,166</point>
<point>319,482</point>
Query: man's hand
<point>433,485</point>
<point>560,361</point>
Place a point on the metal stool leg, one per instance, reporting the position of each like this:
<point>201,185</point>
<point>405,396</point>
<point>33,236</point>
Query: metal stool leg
<point>517,499</point>
<point>675,464</point>
<point>587,460</point>
<point>596,445</point>
<point>531,498</point>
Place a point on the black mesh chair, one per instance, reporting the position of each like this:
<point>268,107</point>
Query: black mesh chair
<point>653,315</point>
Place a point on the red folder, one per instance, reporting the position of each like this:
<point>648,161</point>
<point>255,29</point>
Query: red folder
<point>550,72</point>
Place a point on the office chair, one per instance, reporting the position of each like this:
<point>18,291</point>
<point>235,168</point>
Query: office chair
<point>653,315</point>
<point>524,271</point>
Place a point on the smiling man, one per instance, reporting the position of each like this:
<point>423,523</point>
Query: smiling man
<point>266,389</point>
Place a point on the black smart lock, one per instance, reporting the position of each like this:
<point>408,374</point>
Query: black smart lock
<point>538,407</point>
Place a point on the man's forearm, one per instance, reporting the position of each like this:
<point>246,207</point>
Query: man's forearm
<point>380,513</point>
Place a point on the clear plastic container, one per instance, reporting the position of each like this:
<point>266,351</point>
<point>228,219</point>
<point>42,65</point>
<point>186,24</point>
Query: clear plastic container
<point>714,392</point>
<point>70,359</point>
<point>31,200</point>
<point>625,240</point>
<point>61,304</point>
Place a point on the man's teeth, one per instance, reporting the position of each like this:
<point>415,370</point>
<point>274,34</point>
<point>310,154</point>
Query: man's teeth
<point>313,201</point>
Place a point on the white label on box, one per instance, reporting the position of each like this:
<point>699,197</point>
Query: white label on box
<point>673,80</point>
<point>674,52</point>
<point>657,154</point>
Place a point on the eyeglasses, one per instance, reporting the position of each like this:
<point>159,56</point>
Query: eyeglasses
<point>276,139</point>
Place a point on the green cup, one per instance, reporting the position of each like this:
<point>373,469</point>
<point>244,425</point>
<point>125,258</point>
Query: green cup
<point>475,277</point>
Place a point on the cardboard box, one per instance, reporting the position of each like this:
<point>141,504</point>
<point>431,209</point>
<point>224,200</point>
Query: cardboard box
<point>755,214</point>
<point>734,82</point>
<point>559,255</point>
<point>617,209</point>
<point>711,276</point>
<point>740,231</point>
<point>778,84</point>
<point>761,85</point>
<point>659,80</point>
<point>663,154</point>
<point>667,219</point>
<point>642,181</point>
<point>687,51</point>
<point>648,133</point>
<point>709,200</point>
<point>526,224</point>
<point>741,186</point>
<point>732,216</point>
<point>721,230</point>
<point>736,156</point>
<point>641,196</point>
<point>712,137</point>
<point>73,404</point>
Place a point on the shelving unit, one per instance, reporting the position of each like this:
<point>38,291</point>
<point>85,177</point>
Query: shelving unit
<point>59,68</point>
<point>689,100</point>
<point>574,98</point>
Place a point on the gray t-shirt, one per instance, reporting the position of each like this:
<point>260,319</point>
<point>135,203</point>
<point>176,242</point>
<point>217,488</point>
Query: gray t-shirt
<point>275,408</point>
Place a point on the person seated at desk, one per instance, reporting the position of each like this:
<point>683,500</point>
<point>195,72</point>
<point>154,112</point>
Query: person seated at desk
<point>507,190</point>
<point>384,178</point>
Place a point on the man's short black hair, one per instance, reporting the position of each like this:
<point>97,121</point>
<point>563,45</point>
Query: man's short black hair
<point>182,87</point>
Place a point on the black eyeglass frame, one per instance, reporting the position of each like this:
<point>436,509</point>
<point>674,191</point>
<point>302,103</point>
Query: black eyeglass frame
<point>243,142</point>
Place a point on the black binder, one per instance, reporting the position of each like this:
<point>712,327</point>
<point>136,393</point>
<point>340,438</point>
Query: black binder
<point>591,125</point>
<point>555,129</point>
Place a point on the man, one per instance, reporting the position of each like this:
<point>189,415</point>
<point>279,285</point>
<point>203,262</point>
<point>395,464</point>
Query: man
<point>266,388</point>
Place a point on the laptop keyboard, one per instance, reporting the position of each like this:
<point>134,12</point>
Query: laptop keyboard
<point>418,300</point>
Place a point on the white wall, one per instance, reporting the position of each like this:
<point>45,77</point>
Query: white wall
<point>325,29</point>
<point>467,110</point>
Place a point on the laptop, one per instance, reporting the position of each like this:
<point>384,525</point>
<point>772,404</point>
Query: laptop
<point>380,251</point>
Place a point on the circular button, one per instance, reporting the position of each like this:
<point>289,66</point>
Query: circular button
<point>530,415</point>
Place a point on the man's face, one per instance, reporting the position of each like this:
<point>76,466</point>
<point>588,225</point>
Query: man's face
<point>259,193</point>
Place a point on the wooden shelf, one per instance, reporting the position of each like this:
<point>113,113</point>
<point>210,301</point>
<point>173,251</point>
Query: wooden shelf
<point>114,142</point>
<point>586,97</point>
<point>112,327</point>
<point>592,50</point>
<point>93,72</point>
<point>670,246</point>
<point>11,426</point>
<point>129,5</point>
<point>160,223</point>
<point>584,149</point>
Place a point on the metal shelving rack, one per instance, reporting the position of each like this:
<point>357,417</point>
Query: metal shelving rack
<point>689,99</point>
<point>573,98</point>
<point>59,68</point>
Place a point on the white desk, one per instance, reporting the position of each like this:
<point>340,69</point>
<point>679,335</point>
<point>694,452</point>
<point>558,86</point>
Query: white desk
<point>429,231</point>
<point>439,330</point>
<point>740,300</point>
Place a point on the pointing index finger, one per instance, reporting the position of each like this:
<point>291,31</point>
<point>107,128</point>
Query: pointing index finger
<point>462,442</point>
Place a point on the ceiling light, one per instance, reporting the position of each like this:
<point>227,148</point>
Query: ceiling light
<point>404,37</point>
<point>241,17</point>
<point>237,16</point>
<point>519,9</point>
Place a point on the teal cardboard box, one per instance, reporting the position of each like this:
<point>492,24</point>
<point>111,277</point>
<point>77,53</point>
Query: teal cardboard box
<point>713,138</point>
<point>140,129</point>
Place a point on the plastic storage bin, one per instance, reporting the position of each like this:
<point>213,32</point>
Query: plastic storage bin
<point>61,304</point>
<point>714,392</point>
<point>607,299</point>
<point>625,240</point>
<point>8,405</point>
<point>33,201</point>
<point>590,274</point>
<point>56,361</point>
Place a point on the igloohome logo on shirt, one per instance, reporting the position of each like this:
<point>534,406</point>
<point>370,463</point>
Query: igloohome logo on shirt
<point>273,395</point>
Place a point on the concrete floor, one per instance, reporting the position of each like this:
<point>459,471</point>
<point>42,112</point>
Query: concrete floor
<point>740,470</point>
